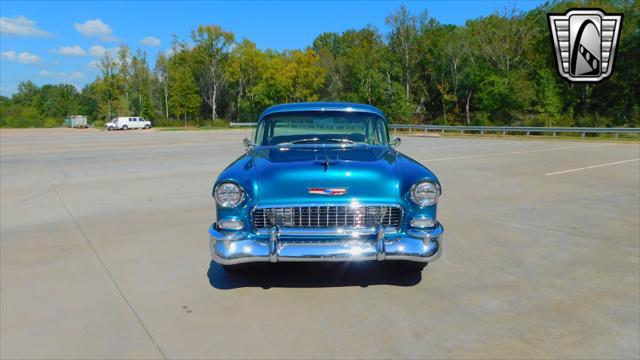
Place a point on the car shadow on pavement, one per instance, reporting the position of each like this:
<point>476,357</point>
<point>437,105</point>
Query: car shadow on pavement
<point>305,275</point>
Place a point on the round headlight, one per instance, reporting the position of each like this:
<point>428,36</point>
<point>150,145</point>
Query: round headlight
<point>228,194</point>
<point>425,193</point>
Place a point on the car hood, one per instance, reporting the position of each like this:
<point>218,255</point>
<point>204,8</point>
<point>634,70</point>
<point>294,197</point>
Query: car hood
<point>286,175</point>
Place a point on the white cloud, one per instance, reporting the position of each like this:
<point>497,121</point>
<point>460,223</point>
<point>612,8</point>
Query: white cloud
<point>28,58</point>
<point>93,28</point>
<point>23,57</point>
<point>94,64</point>
<point>8,55</point>
<point>61,75</point>
<point>96,27</point>
<point>71,51</point>
<point>150,41</point>
<point>20,26</point>
<point>109,38</point>
<point>99,51</point>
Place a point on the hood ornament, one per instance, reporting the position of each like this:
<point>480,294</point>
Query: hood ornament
<point>327,162</point>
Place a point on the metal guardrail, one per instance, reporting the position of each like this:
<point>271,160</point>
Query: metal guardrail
<point>518,129</point>
<point>503,129</point>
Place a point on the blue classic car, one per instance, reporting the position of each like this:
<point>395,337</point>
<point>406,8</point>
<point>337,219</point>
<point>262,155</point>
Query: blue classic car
<point>322,182</point>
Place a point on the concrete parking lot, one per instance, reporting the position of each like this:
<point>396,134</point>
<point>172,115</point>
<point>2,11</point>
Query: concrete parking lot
<point>104,254</point>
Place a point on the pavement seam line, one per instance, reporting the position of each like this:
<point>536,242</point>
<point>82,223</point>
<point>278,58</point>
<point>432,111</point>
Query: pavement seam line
<point>591,167</point>
<point>514,152</point>
<point>102,263</point>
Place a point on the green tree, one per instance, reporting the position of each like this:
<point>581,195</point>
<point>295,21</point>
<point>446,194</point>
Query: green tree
<point>123,79</point>
<point>244,71</point>
<point>107,86</point>
<point>184,95</point>
<point>548,100</point>
<point>330,50</point>
<point>58,101</point>
<point>211,56</point>
<point>403,40</point>
<point>141,84</point>
<point>274,85</point>
<point>306,78</point>
<point>161,71</point>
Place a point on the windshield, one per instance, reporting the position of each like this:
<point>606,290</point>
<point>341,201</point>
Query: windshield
<point>322,127</point>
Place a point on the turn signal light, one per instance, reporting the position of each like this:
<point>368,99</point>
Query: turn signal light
<point>230,224</point>
<point>422,222</point>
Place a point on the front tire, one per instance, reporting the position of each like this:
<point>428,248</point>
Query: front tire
<point>147,126</point>
<point>125,127</point>
<point>236,268</point>
<point>110,128</point>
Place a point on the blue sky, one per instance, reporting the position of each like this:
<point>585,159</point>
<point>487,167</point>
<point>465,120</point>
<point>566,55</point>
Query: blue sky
<point>57,41</point>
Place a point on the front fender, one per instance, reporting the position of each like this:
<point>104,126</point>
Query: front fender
<point>241,171</point>
<point>409,172</point>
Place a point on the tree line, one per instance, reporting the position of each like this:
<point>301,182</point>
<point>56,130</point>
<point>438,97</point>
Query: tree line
<point>493,70</point>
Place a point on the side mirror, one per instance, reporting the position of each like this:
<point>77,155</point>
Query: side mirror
<point>247,144</point>
<point>396,142</point>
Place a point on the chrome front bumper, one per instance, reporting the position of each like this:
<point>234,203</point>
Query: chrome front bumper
<point>235,247</point>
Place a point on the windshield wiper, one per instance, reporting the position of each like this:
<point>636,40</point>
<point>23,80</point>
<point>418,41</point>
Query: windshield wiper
<point>345,141</point>
<point>300,141</point>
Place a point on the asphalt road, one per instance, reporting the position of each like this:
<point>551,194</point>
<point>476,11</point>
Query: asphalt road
<point>104,254</point>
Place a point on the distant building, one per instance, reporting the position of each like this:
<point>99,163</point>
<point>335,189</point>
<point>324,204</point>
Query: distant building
<point>76,121</point>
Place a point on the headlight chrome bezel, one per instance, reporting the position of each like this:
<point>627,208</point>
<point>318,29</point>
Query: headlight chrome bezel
<point>424,203</point>
<point>228,204</point>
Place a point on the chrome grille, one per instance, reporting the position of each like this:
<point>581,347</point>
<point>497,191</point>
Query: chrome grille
<point>327,216</point>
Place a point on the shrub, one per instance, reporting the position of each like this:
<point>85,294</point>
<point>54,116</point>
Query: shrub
<point>594,120</point>
<point>562,121</point>
<point>98,124</point>
<point>51,122</point>
<point>482,119</point>
<point>220,123</point>
<point>537,120</point>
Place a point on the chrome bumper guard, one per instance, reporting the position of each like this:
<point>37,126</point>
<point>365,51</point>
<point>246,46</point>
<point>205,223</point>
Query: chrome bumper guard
<point>235,247</point>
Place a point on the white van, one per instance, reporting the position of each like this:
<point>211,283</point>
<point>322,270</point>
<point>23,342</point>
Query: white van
<point>126,123</point>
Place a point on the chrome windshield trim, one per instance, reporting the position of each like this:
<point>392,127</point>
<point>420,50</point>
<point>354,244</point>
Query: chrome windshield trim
<point>319,145</point>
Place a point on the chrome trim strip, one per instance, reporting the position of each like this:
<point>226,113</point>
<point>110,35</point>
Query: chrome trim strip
<point>348,231</point>
<point>355,204</point>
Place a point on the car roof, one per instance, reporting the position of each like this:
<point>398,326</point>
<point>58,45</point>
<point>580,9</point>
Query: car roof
<point>322,106</point>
